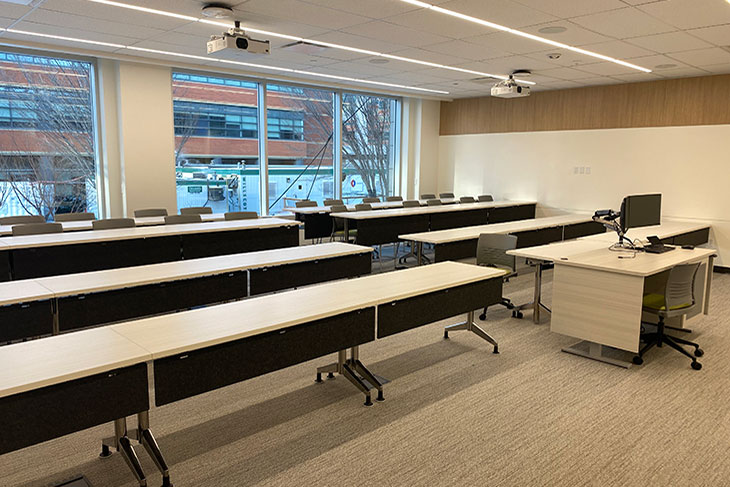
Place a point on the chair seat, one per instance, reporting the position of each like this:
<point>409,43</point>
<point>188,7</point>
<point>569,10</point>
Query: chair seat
<point>655,302</point>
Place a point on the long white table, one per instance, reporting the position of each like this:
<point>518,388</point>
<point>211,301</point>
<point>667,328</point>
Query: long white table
<point>51,305</point>
<point>65,253</point>
<point>106,374</point>
<point>460,243</point>
<point>670,231</point>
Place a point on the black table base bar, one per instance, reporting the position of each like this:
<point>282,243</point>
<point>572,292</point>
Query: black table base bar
<point>5,270</point>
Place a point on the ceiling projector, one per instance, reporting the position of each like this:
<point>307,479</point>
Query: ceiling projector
<point>236,38</point>
<point>510,89</point>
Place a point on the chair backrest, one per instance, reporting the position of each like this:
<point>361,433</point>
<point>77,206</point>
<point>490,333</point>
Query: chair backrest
<point>332,202</point>
<point>36,228</point>
<point>74,217</point>
<point>338,209</point>
<point>338,223</point>
<point>197,210</point>
<point>433,202</point>
<point>305,203</point>
<point>371,199</point>
<point>492,250</point>
<point>150,212</point>
<point>363,207</point>
<point>485,197</point>
<point>411,204</point>
<point>177,219</point>
<point>446,195</point>
<point>241,215</point>
<point>467,199</point>
<point>428,196</point>
<point>679,292</point>
<point>393,198</point>
<point>17,220</point>
<point>111,223</point>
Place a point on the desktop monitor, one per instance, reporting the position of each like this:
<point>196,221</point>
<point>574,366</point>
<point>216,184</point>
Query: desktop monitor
<point>641,210</point>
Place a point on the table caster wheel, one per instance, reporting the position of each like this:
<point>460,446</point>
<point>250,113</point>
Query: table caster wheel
<point>696,365</point>
<point>483,316</point>
<point>699,352</point>
<point>517,314</point>
<point>637,360</point>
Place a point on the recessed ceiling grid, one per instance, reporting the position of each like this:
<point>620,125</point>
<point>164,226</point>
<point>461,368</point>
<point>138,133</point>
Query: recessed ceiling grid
<point>673,38</point>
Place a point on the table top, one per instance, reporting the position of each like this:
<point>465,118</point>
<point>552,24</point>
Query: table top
<point>669,228</point>
<point>38,363</point>
<point>26,241</point>
<point>427,210</point>
<point>97,281</point>
<point>14,292</point>
<point>180,332</point>
<point>643,264</point>
<point>559,250</point>
<point>377,206</point>
<point>469,233</point>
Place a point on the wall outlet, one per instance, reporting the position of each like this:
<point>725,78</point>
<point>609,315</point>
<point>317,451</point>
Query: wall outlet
<point>588,169</point>
<point>576,170</point>
<point>582,169</point>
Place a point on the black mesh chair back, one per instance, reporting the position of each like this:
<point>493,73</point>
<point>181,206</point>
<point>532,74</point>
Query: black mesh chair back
<point>22,219</point>
<point>150,212</point>
<point>197,210</point>
<point>240,215</point>
<point>178,219</point>
<point>74,217</point>
<point>111,223</point>
<point>36,228</point>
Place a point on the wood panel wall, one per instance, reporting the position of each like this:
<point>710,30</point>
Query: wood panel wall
<point>676,102</point>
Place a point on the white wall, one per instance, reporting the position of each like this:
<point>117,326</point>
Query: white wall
<point>690,166</point>
<point>420,146</point>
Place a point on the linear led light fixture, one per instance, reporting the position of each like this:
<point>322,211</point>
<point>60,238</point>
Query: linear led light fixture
<point>302,39</point>
<point>520,33</point>
<point>224,61</point>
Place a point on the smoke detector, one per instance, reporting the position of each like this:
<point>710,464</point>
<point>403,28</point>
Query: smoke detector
<point>217,11</point>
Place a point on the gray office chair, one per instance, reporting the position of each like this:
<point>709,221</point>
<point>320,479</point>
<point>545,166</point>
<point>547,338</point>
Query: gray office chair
<point>332,202</point>
<point>305,204</point>
<point>36,228</point>
<point>338,224</point>
<point>363,207</point>
<point>467,199</point>
<point>411,204</point>
<point>393,198</point>
<point>178,219</point>
<point>492,252</point>
<point>433,202</point>
<point>371,199</point>
<point>240,215</point>
<point>74,217</point>
<point>446,195</point>
<point>485,197</point>
<point>197,210</point>
<point>111,223</point>
<point>150,212</point>
<point>678,299</point>
<point>21,219</point>
<point>428,196</point>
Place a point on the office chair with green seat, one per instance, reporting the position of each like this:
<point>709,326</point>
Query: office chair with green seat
<point>678,299</point>
<point>492,252</point>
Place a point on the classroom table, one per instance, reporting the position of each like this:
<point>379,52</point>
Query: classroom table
<point>127,369</point>
<point>461,243</point>
<point>673,232</point>
<point>64,253</point>
<point>378,227</point>
<point>58,304</point>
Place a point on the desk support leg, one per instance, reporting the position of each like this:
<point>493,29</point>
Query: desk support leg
<point>708,284</point>
<point>537,299</point>
<point>123,445</point>
<point>355,372</point>
<point>347,230</point>
<point>420,253</point>
<point>470,325</point>
<point>147,440</point>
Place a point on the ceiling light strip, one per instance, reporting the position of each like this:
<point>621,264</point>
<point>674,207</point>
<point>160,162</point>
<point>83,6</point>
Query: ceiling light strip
<point>313,41</point>
<point>224,61</point>
<point>520,33</point>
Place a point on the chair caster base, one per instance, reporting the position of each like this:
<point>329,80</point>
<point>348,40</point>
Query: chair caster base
<point>105,452</point>
<point>696,365</point>
<point>699,352</point>
<point>496,350</point>
<point>380,397</point>
<point>368,401</point>
<point>637,360</point>
<point>483,316</point>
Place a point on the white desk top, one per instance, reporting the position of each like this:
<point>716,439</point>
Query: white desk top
<point>13,292</point>
<point>644,264</point>
<point>468,233</point>
<point>377,206</point>
<point>139,232</point>
<point>426,210</point>
<point>97,281</point>
<point>559,250</point>
<point>171,334</point>
<point>669,228</point>
<point>48,361</point>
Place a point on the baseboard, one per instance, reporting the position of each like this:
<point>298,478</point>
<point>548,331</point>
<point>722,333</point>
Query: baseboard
<point>721,270</point>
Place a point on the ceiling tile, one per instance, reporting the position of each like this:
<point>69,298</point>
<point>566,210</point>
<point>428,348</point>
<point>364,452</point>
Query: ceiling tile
<point>567,58</point>
<point>570,8</point>
<point>637,77</point>
<point>56,42</point>
<point>606,69</point>
<point>432,57</point>
<point>506,65</point>
<point>446,74</point>
<point>110,14</point>
<point>688,14</point>
<point>504,12</point>
<point>652,62</point>
<point>623,23</point>
<point>669,42</point>
<point>12,11</point>
<point>353,40</point>
<point>301,12</point>
<point>599,81</point>
<point>395,34</point>
<point>466,50</point>
<point>718,68</point>
<point>5,22</point>
<point>439,24</point>
<point>415,78</point>
<point>682,72</point>
<point>86,24</point>
<point>575,35</point>
<point>74,33</point>
<point>374,9</point>
<point>703,57</point>
<point>719,35</point>
<point>616,49</point>
<point>351,68</point>
<point>503,42</point>
<point>566,74</point>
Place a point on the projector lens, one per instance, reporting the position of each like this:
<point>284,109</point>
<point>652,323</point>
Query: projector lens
<point>242,43</point>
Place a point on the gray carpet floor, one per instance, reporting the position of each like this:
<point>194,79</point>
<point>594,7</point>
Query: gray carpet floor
<point>455,415</point>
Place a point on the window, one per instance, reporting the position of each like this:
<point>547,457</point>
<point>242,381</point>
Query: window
<point>216,142</point>
<point>47,124</point>
<point>300,132</point>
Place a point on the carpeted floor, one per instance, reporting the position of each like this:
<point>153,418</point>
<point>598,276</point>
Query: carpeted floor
<point>455,415</point>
